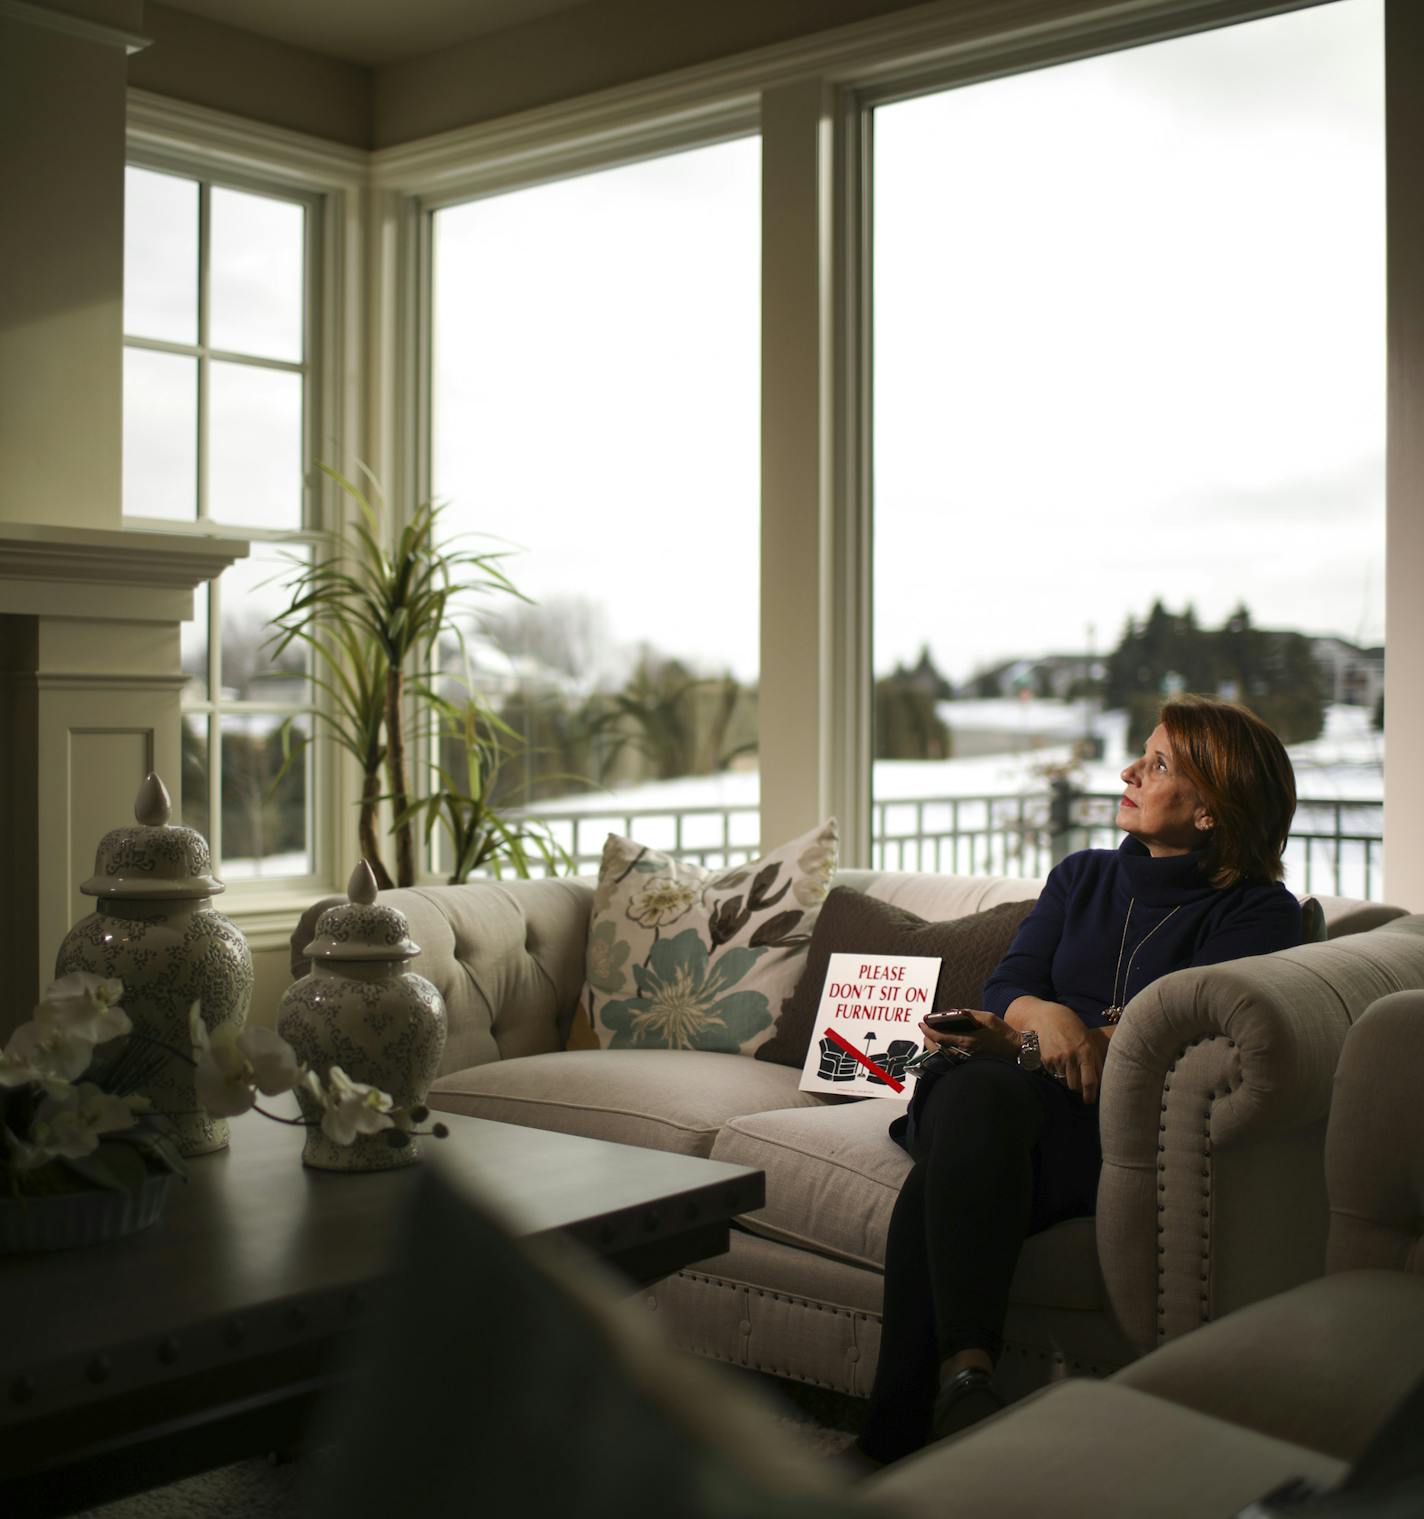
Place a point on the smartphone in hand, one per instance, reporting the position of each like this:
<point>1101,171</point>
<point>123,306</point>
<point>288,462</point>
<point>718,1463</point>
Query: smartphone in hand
<point>953,1021</point>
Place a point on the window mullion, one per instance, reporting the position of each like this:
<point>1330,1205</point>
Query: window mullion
<point>214,717</point>
<point>214,721</point>
<point>328,419</point>
<point>204,294</point>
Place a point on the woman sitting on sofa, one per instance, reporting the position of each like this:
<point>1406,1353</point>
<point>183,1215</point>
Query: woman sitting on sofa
<point>1003,1124</point>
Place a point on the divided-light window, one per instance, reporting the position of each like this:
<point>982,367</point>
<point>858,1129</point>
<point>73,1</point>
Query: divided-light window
<point>1129,437</point>
<point>595,401</point>
<point>218,347</point>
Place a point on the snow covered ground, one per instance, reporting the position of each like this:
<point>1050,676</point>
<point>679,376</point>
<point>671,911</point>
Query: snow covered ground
<point>921,805</point>
<point>1345,764</point>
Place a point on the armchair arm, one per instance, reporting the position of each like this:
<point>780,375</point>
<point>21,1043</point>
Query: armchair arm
<point>1215,1096</point>
<point>1374,1147</point>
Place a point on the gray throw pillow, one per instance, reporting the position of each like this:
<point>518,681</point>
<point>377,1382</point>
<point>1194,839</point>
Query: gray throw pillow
<point>853,923</point>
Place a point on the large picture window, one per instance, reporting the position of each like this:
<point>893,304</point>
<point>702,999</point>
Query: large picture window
<point>595,405</point>
<point>218,380</point>
<point>1129,436</point>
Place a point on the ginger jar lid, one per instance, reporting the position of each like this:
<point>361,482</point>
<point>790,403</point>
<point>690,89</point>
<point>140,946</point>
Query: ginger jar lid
<point>153,859</point>
<point>362,928</point>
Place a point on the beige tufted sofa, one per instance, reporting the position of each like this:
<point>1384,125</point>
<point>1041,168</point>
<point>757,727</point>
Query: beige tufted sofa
<point>1214,1107</point>
<point>1300,1384</point>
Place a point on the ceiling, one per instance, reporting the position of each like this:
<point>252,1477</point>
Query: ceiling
<point>373,32</point>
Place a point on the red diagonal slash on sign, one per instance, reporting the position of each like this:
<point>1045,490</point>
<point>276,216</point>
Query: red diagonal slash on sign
<point>865,1060</point>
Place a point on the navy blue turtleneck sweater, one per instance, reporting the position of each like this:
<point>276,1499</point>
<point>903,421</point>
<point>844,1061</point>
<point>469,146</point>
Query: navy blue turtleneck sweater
<point>1067,949</point>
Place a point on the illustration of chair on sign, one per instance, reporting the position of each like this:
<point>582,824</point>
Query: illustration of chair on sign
<point>838,1064</point>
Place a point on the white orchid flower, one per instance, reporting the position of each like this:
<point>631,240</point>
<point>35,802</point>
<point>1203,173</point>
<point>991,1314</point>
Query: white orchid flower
<point>271,1059</point>
<point>84,1006</point>
<point>232,1067</point>
<point>70,1125</point>
<point>221,1071</point>
<point>23,1156</point>
<point>45,1053</point>
<point>352,1108</point>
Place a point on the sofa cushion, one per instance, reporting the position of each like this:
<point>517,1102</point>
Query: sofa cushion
<point>832,1177</point>
<point>661,1099</point>
<point>680,957</point>
<point>936,897</point>
<point>1086,1448</point>
<point>853,923</point>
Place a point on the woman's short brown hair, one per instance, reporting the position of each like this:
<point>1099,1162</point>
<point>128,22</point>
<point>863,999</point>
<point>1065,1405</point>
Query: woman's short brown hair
<point>1244,777</point>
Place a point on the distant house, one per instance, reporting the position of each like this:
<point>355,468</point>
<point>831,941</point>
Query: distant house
<point>1019,724</point>
<point>1056,676</point>
<point>1351,676</point>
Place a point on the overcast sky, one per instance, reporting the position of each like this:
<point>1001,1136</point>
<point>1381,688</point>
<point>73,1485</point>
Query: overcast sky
<point>1129,343</point>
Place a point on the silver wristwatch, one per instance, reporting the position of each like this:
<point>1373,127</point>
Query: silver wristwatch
<point>1029,1058</point>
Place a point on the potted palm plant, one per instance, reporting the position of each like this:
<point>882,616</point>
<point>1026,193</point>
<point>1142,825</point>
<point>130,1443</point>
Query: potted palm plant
<point>376,617</point>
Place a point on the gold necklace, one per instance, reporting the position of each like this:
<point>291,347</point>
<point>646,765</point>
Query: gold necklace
<point>1114,1013</point>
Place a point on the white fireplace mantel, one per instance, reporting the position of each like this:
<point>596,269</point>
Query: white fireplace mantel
<point>102,573</point>
<point>90,688</point>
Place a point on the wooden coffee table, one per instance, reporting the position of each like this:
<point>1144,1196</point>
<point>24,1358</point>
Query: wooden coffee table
<point>210,1336</point>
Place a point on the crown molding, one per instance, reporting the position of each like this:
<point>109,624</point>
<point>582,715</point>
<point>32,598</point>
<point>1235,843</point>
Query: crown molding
<point>926,46</point>
<point>73,26</point>
<point>173,129</point>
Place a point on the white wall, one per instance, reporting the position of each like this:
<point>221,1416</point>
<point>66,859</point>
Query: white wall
<point>62,252</point>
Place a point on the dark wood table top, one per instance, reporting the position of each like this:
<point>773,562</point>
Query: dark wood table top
<point>256,1255</point>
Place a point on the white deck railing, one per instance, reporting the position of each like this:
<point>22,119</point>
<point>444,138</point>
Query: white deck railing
<point>1335,848</point>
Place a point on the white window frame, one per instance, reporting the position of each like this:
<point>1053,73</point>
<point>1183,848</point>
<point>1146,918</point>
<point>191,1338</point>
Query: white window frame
<point>814,100</point>
<point>216,149</point>
<point>812,97</point>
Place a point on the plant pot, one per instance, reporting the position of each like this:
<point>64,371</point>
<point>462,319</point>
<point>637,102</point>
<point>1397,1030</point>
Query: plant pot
<point>65,1220</point>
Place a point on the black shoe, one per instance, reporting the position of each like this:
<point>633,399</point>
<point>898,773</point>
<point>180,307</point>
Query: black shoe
<point>964,1399</point>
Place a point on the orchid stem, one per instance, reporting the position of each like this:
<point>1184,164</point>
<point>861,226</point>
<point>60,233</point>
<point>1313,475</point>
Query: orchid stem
<point>298,1123</point>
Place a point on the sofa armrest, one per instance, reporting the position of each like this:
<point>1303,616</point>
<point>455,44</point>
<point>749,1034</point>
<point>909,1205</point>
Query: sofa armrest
<point>1214,1102</point>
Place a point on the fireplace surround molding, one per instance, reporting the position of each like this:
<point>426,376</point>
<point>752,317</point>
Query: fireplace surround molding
<point>90,692</point>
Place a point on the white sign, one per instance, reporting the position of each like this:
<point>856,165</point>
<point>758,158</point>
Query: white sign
<point>868,1024</point>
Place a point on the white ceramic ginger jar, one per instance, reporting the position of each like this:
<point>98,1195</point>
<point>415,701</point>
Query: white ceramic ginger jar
<point>360,1008</point>
<point>156,930</point>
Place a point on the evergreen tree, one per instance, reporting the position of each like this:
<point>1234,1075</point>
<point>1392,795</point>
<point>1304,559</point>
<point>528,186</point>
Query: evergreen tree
<point>1274,674</point>
<point>906,725</point>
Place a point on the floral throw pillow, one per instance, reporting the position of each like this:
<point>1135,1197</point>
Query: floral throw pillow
<point>680,957</point>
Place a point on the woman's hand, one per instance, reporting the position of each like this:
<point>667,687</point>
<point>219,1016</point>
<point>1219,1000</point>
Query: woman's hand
<point>1069,1050</point>
<point>992,1037</point>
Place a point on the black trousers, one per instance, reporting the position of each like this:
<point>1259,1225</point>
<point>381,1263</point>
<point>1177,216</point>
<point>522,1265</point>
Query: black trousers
<point>999,1154</point>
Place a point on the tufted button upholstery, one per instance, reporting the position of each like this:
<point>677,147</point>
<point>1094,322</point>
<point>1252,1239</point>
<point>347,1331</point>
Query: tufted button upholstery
<point>509,964</point>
